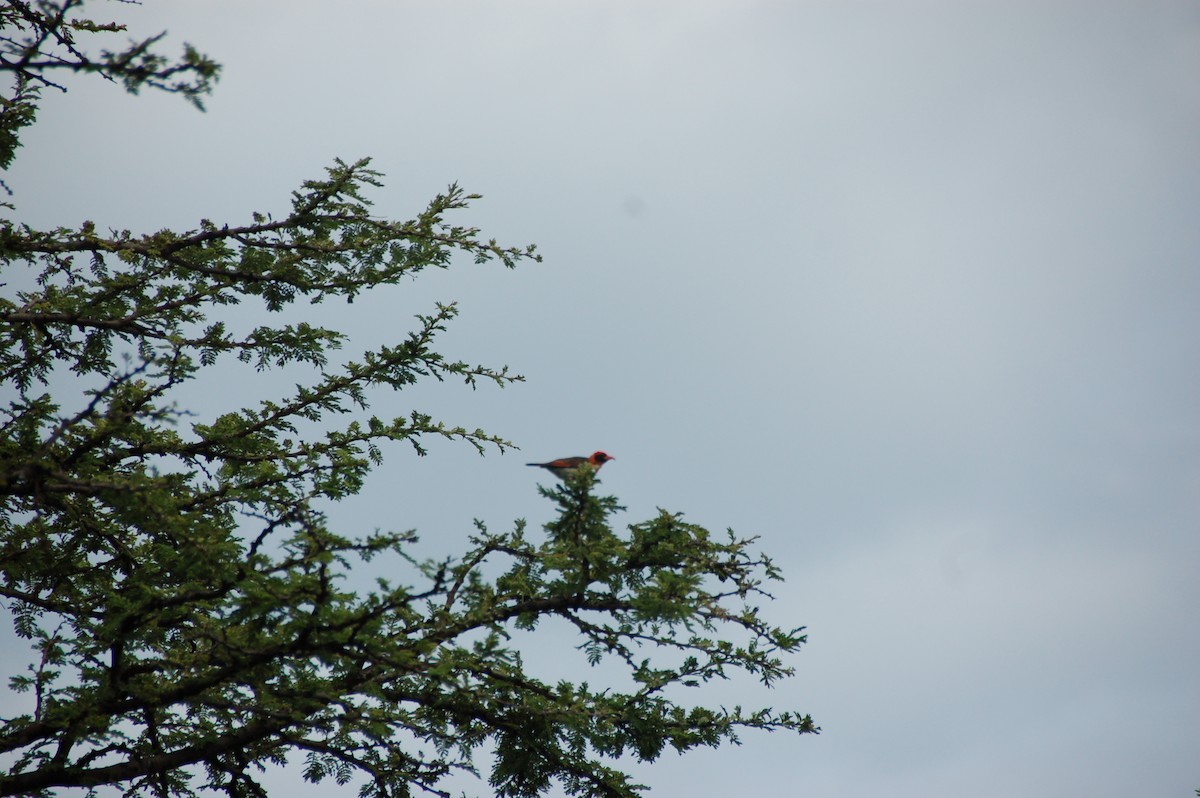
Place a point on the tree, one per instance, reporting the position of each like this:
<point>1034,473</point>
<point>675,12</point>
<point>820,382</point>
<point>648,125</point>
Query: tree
<point>185,600</point>
<point>38,41</point>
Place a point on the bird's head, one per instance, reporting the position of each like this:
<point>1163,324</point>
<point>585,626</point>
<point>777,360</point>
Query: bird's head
<point>600,458</point>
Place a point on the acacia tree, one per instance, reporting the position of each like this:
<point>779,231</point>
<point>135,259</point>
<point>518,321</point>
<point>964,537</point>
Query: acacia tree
<point>184,596</point>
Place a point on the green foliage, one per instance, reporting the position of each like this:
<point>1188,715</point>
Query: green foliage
<point>39,38</point>
<point>187,605</point>
<point>176,641</point>
<point>16,112</point>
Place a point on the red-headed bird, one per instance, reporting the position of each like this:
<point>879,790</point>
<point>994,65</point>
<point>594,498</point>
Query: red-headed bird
<point>565,466</point>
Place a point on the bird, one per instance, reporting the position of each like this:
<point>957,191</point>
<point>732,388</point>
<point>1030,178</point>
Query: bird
<point>571,466</point>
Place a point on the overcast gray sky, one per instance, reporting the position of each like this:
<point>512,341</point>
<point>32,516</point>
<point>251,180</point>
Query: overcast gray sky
<point>910,289</point>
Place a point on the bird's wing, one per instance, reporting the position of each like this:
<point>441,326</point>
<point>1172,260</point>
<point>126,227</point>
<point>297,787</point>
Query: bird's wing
<point>564,462</point>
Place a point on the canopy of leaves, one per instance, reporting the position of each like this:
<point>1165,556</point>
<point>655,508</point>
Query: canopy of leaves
<point>40,39</point>
<point>187,603</point>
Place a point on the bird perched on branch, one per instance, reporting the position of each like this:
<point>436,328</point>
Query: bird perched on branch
<point>569,466</point>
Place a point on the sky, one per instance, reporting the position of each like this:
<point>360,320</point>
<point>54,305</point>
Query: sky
<point>907,288</point>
